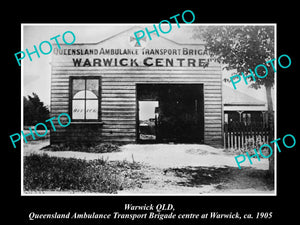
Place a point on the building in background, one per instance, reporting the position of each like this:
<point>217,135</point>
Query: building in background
<point>240,107</point>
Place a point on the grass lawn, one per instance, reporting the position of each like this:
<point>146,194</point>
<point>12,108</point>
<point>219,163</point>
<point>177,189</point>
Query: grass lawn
<point>147,169</point>
<point>45,173</point>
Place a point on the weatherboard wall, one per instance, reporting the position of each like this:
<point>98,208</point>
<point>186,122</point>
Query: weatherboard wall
<point>118,85</point>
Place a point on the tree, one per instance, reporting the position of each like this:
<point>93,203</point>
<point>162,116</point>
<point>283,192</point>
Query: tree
<point>34,110</point>
<point>243,48</point>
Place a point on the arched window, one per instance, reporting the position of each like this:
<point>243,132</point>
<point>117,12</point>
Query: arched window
<point>85,98</point>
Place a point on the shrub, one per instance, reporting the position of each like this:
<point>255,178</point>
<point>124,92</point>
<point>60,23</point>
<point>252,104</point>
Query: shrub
<point>250,144</point>
<point>92,147</point>
<point>104,147</point>
<point>42,172</point>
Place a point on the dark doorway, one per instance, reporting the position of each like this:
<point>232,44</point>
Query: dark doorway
<point>176,113</point>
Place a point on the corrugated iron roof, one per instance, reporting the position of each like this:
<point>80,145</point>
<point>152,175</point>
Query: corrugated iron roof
<point>236,98</point>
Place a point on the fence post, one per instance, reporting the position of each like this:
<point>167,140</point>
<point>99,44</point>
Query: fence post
<point>225,135</point>
<point>239,135</point>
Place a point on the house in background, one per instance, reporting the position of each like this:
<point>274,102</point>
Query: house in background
<point>240,107</point>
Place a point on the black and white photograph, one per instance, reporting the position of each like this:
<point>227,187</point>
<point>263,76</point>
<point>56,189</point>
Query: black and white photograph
<point>149,109</point>
<point>145,113</point>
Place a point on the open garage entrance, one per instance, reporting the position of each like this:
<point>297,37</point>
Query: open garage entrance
<point>170,113</point>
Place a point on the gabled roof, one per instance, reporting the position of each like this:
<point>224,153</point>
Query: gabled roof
<point>235,97</point>
<point>133,29</point>
<point>234,100</point>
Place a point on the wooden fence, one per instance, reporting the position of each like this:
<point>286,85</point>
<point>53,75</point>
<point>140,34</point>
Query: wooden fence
<point>237,134</point>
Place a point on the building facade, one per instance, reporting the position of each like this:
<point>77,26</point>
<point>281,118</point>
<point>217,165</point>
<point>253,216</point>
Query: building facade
<point>118,91</point>
<point>242,108</point>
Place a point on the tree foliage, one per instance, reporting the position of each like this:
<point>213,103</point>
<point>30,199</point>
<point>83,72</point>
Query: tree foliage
<point>241,48</point>
<point>34,110</point>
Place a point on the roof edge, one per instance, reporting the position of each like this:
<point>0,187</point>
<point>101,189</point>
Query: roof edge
<point>119,33</point>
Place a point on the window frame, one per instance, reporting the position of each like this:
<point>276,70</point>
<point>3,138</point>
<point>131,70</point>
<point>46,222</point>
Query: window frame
<point>71,78</point>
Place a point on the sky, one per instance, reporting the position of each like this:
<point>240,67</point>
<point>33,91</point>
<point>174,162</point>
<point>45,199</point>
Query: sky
<point>37,73</point>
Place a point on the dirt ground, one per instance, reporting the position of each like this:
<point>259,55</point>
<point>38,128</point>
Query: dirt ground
<point>182,169</point>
